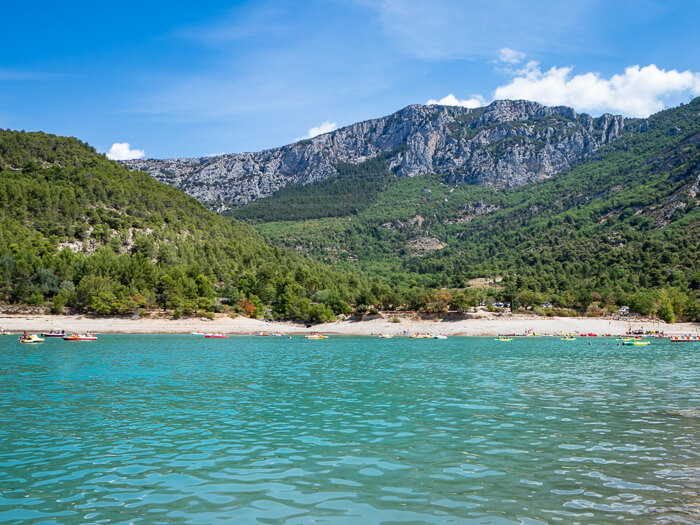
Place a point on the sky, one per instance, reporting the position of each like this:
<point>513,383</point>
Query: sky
<point>182,79</point>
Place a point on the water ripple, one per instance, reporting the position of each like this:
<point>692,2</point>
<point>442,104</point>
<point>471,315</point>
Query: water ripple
<point>354,430</point>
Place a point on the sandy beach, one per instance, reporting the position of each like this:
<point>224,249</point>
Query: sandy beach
<point>481,325</point>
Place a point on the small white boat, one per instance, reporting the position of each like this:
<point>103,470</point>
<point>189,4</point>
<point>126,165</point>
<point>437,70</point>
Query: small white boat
<point>30,339</point>
<point>684,338</point>
<point>52,333</point>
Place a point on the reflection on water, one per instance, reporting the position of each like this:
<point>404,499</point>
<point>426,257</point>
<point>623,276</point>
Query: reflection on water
<point>165,429</point>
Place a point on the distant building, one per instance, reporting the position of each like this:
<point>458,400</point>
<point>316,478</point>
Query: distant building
<point>547,305</point>
<point>624,310</point>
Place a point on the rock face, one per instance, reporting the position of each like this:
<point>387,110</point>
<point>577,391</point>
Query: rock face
<point>505,144</point>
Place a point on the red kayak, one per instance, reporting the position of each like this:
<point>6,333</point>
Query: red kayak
<point>216,336</point>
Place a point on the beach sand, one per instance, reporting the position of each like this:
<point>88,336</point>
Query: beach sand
<point>484,324</point>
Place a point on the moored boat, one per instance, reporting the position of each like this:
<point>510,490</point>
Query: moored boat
<point>316,336</point>
<point>216,335</point>
<point>52,333</point>
<point>30,338</point>
<point>88,336</point>
<point>685,338</point>
<point>503,338</point>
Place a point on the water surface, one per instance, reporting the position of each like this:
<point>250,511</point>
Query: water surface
<point>350,430</point>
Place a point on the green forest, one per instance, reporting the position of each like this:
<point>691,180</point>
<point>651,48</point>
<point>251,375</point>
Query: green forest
<point>79,232</point>
<point>82,232</point>
<point>619,229</point>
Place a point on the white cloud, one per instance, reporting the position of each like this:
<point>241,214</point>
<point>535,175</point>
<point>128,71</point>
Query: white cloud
<point>123,151</point>
<point>326,127</point>
<point>510,56</point>
<point>450,100</point>
<point>638,92</point>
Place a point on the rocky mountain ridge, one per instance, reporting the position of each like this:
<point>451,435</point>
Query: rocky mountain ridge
<point>505,144</point>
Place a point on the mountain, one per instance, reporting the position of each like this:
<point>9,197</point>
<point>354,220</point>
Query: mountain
<point>620,227</point>
<point>78,230</point>
<point>503,145</point>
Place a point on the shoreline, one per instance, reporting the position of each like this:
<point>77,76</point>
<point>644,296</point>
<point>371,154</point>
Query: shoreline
<point>482,325</point>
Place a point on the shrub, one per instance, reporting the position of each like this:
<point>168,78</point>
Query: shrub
<point>361,309</point>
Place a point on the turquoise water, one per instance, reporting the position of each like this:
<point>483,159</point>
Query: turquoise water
<point>178,429</point>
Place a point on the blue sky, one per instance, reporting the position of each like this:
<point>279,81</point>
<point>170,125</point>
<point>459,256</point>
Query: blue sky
<point>184,79</point>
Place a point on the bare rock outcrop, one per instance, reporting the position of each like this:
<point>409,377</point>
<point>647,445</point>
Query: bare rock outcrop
<point>505,144</point>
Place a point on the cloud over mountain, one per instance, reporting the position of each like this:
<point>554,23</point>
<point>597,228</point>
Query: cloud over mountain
<point>638,92</point>
<point>123,151</point>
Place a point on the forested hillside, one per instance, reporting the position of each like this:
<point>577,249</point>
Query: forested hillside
<point>78,230</point>
<point>620,229</point>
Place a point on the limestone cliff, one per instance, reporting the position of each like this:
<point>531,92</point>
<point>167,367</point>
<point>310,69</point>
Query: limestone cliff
<point>505,144</point>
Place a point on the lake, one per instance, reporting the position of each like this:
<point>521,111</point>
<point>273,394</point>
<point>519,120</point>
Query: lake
<point>349,430</point>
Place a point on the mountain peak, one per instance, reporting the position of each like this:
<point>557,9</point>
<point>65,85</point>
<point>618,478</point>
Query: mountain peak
<point>504,144</point>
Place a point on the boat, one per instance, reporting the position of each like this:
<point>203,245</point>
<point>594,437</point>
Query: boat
<point>88,336</point>
<point>502,338</point>
<point>4,332</point>
<point>198,333</point>
<point>30,338</point>
<point>684,338</point>
<point>316,336</point>
<point>385,336</point>
<point>568,337</point>
<point>635,342</point>
<point>440,336</point>
<point>58,333</point>
<point>215,335</point>
<point>420,336</point>
<point>276,334</point>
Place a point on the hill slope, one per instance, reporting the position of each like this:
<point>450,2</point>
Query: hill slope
<point>506,144</point>
<point>619,228</point>
<point>79,230</point>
